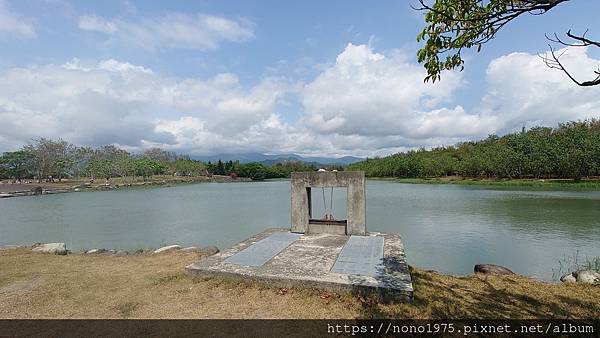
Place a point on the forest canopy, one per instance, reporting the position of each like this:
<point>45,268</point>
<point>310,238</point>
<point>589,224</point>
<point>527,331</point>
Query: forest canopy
<point>571,150</point>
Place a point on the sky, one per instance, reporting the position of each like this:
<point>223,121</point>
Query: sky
<point>315,78</point>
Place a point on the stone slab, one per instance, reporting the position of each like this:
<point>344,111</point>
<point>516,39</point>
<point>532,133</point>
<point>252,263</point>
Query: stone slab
<point>362,255</point>
<point>307,263</point>
<point>264,250</point>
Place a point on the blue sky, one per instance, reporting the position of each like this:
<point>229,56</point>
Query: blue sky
<point>316,78</point>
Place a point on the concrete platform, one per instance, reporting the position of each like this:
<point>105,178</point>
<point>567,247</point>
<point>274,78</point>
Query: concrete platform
<point>309,260</point>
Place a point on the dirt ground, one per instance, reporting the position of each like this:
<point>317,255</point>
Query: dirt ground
<point>34,285</point>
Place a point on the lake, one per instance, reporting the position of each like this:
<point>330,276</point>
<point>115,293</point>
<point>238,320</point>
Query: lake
<point>448,228</point>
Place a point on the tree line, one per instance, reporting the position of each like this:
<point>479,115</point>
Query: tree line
<point>571,150</point>
<point>49,160</point>
<point>52,160</point>
<point>258,171</point>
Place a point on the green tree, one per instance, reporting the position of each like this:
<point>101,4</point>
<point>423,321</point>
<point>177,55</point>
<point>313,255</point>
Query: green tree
<point>145,167</point>
<point>220,168</point>
<point>51,159</point>
<point>571,150</point>
<point>453,26</point>
<point>100,168</point>
<point>17,164</point>
<point>186,167</point>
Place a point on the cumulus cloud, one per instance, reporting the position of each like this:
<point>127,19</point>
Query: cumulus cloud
<point>175,30</point>
<point>371,94</point>
<point>13,25</point>
<point>364,104</point>
<point>523,90</point>
<point>117,102</point>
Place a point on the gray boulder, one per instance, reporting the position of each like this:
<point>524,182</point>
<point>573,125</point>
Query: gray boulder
<point>55,248</point>
<point>587,276</point>
<point>492,269</point>
<point>121,253</point>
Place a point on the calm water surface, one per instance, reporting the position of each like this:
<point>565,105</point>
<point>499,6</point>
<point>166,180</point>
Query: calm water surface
<point>448,228</point>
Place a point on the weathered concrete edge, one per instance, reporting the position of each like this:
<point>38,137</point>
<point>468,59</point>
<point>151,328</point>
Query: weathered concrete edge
<point>383,294</point>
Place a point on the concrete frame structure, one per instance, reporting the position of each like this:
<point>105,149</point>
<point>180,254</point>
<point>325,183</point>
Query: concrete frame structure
<point>353,181</point>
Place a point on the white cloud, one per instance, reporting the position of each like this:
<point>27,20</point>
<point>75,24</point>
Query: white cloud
<point>117,102</point>
<point>13,25</point>
<point>369,94</point>
<point>96,23</point>
<point>364,104</point>
<point>523,90</point>
<point>175,30</point>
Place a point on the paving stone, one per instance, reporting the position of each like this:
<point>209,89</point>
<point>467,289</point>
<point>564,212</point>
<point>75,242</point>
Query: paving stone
<point>262,251</point>
<point>362,255</point>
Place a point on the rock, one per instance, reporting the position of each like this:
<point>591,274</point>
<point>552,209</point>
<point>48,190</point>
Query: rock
<point>587,276</point>
<point>95,251</point>
<point>55,248</point>
<point>167,248</point>
<point>121,253</point>
<point>210,250</point>
<point>492,269</point>
<point>37,190</point>
<point>139,251</point>
<point>568,278</point>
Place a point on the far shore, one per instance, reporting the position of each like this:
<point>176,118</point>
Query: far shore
<point>9,188</point>
<point>591,183</point>
<point>32,187</point>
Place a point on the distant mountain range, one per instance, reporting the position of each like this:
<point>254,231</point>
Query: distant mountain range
<point>274,159</point>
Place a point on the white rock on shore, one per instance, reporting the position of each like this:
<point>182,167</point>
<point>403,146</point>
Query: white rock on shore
<point>568,278</point>
<point>581,276</point>
<point>167,248</point>
<point>587,276</point>
<point>55,248</point>
<point>95,251</point>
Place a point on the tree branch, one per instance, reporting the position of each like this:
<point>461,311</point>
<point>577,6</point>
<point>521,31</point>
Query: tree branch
<point>554,62</point>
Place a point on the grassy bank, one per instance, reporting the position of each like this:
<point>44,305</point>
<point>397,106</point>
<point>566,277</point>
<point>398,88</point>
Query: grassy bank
<point>155,286</point>
<point>548,183</point>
